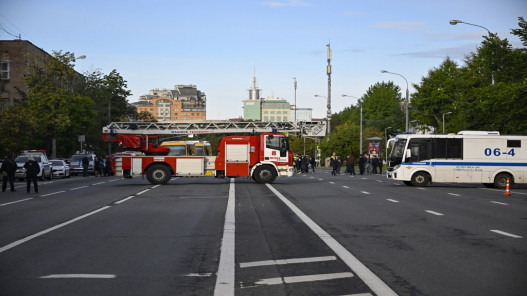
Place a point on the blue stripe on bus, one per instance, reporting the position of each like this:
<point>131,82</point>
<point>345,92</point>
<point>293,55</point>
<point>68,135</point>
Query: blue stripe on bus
<point>514,164</point>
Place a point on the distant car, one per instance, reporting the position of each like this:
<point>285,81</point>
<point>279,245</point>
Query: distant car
<point>76,163</point>
<point>60,168</point>
<point>43,162</point>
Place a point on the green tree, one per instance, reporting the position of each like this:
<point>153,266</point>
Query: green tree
<point>437,94</point>
<point>16,128</point>
<point>53,100</point>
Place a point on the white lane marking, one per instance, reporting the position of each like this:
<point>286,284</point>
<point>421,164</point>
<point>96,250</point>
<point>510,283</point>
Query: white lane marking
<point>287,261</point>
<point>28,238</point>
<point>53,193</point>
<point>78,188</point>
<point>114,180</point>
<point>434,213</point>
<point>311,177</point>
<point>207,274</point>
<point>501,190</point>
<point>506,233</point>
<point>380,181</point>
<point>78,276</point>
<point>14,202</point>
<point>500,203</point>
<point>123,200</point>
<point>421,188</point>
<point>345,186</point>
<point>369,278</point>
<point>155,186</point>
<point>98,183</point>
<point>365,192</point>
<point>331,182</point>
<point>392,200</point>
<point>225,276</point>
<point>304,278</point>
<point>360,294</point>
<point>139,193</point>
<point>321,179</point>
<point>454,194</point>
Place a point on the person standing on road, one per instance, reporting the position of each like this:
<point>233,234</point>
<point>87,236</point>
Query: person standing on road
<point>107,167</point>
<point>32,169</point>
<point>362,161</point>
<point>8,170</point>
<point>85,164</point>
<point>375,164</point>
<point>313,162</point>
<point>96,167</point>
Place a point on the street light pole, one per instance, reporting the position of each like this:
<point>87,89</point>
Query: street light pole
<point>295,100</point>
<point>407,127</point>
<point>360,137</point>
<point>455,22</point>
<point>444,120</point>
<point>329,89</point>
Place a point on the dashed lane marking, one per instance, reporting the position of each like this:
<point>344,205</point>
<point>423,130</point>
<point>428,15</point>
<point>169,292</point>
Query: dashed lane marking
<point>454,194</point>
<point>434,213</point>
<point>53,193</point>
<point>78,276</point>
<point>392,200</point>
<point>76,188</point>
<point>365,192</point>
<point>304,278</point>
<point>287,261</point>
<point>14,202</point>
<point>506,233</point>
<point>499,203</point>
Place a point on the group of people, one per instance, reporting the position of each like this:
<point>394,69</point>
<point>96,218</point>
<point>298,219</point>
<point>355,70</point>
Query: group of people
<point>303,162</point>
<point>101,166</point>
<point>8,170</point>
<point>367,164</point>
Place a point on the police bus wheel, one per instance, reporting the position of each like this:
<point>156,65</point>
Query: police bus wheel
<point>158,174</point>
<point>500,181</point>
<point>420,179</point>
<point>264,174</point>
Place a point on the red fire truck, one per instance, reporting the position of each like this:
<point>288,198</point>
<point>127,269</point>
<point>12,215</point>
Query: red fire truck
<point>263,155</point>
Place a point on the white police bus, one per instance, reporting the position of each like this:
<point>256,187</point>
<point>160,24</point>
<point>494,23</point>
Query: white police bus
<point>468,157</point>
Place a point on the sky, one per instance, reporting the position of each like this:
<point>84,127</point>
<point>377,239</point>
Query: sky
<point>220,45</point>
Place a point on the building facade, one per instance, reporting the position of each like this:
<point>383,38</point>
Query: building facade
<point>184,102</point>
<point>15,57</point>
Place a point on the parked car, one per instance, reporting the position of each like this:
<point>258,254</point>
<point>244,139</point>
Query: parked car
<point>60,168</point>
<point>40,157</point>
<point>76,163</point>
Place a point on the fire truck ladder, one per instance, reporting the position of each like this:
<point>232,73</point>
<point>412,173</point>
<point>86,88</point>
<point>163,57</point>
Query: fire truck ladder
<point>305,128</point>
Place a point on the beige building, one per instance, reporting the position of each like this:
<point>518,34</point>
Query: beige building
<point>184,102</point>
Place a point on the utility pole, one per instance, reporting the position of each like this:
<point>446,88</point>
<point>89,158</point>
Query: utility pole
<point>296,120</point>
<point>329,90</point>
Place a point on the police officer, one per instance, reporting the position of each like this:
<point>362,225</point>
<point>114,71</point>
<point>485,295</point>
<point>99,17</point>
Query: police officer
<point>32,170</point>
<point>8,170</point>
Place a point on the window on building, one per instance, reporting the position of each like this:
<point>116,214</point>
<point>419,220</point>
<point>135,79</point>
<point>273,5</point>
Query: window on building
<point>4,70</point>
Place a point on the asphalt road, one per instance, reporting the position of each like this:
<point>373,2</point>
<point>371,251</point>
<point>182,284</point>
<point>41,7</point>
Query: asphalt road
<point>312,234</point>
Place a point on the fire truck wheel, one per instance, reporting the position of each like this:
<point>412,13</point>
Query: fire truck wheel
<point>264,174</point>
<point>158,174</point>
